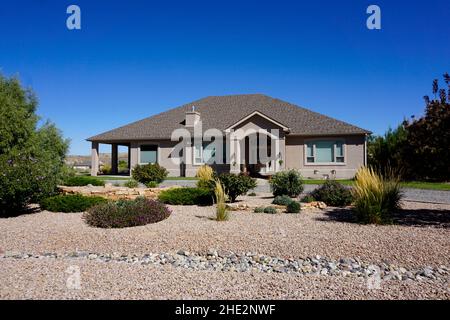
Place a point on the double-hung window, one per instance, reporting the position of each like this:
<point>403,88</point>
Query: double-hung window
<point>325,152</point>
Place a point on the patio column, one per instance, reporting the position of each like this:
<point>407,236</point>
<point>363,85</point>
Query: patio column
<point>114,158</point>
<point>94,158</point>
<point>235,155</point>
<point>134,155</point>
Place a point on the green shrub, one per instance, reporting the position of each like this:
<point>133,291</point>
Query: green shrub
<point>70,203</point>
<point>126,213</point>
<point>186,196</point>
<point>236,185</point>
<point>271,210</point>
<point>307,199</point>
<point>282,200</point>
<point>332,193</point>
<point>251,194</point>
<point>31,157</point>
<point>288,183</point>
<point>293,207</point>
<point>259,210</point>
<point>152,184</point>
<point>79,181</point>
<point>375,197</point>
<point>131,184</point>
<point>149,172</point>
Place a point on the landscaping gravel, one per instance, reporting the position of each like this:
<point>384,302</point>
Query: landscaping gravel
<point>278,255</point>
<point>48,279</point>
<point>312,232</point>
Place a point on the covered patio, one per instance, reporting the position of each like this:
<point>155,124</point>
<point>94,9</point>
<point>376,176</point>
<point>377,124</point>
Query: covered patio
<point>95,158</point>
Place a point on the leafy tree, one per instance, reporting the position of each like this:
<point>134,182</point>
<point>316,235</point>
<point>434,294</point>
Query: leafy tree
<point>31,157</point>
<point>418,149</point>
<point>384,153</point>
<point>427,150</point>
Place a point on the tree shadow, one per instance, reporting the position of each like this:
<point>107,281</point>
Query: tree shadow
<point>404,217</point>
<point>21,212</point>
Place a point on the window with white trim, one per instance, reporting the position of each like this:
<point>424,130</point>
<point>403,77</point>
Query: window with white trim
<point>325,151</point>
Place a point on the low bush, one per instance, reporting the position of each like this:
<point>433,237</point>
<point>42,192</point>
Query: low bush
<point>149,172</point>
<point>131,184</point>
<point>282,200</point>
<point>251,194</point>
<point>332,193</point>
<point>375,197</point>
<point>236,185</point>
<point>259,210</point>
<point>293,207</point>
<point>186,196</point>
<point>308,198</point>
<point>288,183</point>
<point>271,210</point>
<point>70,203</point>
<point>79,181</point>
<point>152,184</point>
<point>126,213</point>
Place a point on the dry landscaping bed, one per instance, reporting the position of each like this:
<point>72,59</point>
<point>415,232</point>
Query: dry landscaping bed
<point>418,242</point>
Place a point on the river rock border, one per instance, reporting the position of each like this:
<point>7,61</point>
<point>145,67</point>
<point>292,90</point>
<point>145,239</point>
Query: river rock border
<point>246,262</point>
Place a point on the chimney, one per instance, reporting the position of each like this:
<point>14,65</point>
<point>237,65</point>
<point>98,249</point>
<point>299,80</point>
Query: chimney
<point>192,117</point>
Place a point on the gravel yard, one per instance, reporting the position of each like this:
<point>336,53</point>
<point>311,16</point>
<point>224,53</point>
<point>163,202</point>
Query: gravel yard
<point>47,280</point>
<point>420,237</point>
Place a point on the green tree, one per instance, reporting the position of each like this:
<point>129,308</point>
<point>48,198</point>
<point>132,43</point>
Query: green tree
<point>384,153</point>
<point>427,150</point>
<point>31,157</point>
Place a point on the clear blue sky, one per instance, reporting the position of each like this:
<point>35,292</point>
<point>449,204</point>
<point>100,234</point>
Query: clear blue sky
<point>132,59</point>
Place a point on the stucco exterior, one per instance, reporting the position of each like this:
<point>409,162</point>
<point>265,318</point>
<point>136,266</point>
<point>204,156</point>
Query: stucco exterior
<point>354,154</point>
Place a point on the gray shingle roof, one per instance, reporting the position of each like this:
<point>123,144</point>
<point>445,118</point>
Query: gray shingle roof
<point>223,111</point>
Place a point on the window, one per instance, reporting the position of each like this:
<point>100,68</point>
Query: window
<point>205,153</point>
<point>325,151</point>
<point>149,154</point>
<point>198,150</point>
<point>209,153</point>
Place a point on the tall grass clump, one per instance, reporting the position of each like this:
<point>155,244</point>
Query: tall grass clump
<point>376,196</point>
<point>221,207</point>
<point>205,175</point>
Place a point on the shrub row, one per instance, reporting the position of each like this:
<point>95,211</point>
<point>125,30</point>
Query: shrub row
<point>79,181</point>
<point>186,196</point>
<point>70,203</point>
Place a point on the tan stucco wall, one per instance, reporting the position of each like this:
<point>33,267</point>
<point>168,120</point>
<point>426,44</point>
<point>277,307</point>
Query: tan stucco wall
<point>354,157</point>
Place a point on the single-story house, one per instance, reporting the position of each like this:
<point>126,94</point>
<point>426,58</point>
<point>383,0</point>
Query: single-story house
<point>260,135</point>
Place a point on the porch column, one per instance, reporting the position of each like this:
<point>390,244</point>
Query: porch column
<point>134,155</point>
<point>235,155</point>
<point>281,155</point>
<point>114,158</point>
<point>129,159</point>
<point>94,158</point>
